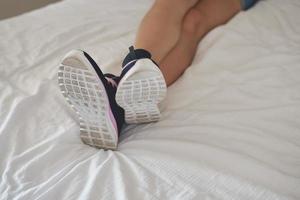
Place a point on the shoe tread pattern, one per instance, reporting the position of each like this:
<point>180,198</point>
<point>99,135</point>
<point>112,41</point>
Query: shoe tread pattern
<point>81,89</point>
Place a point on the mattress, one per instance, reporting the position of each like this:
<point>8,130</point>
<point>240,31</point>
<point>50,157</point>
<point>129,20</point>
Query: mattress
<point>230,129</point>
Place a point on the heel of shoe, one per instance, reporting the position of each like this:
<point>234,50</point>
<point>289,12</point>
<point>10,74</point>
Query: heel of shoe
<point>142,113</point>
<point>140,98</point>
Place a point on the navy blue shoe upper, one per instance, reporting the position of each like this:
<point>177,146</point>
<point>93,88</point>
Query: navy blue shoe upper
<point>131,58</point>
<point>111,90</point>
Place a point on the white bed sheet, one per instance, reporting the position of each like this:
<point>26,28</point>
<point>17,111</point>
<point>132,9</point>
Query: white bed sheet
<point>231,129</point>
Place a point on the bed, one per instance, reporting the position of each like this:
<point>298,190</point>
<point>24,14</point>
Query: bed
<point>230,130</point>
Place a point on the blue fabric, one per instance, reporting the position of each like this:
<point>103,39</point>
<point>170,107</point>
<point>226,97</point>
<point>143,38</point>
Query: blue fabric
<point>246,4</point>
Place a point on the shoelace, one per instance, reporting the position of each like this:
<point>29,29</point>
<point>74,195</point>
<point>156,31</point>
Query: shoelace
<point>112,79</point>
<point>112,82</point>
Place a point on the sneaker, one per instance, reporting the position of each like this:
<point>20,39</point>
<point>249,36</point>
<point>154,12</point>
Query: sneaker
<point>92,95</point>
<point>141,88</point>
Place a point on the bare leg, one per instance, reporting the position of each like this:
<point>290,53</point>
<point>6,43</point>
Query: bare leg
<point>199,20</point>
<point>172,29</point>
<point>160,29</point>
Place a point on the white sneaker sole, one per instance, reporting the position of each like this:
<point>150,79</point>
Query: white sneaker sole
<point>140,91</point>
<point>84,91</point>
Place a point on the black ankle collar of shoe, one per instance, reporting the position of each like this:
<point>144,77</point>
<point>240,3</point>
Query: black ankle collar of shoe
<point>135,54</point>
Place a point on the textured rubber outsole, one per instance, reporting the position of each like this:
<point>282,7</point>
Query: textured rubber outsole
<point>86,94</point>
<point>140,91</point>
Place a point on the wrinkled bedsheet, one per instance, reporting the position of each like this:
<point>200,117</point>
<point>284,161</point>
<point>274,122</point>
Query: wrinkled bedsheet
<point>230,130</point>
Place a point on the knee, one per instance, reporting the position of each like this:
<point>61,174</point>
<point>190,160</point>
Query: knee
<point>176,5</point>
<point>194,23</point>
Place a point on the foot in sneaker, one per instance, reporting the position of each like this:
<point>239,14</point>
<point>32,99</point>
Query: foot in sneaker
<point>92,95</point>
<point>141,88</point>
